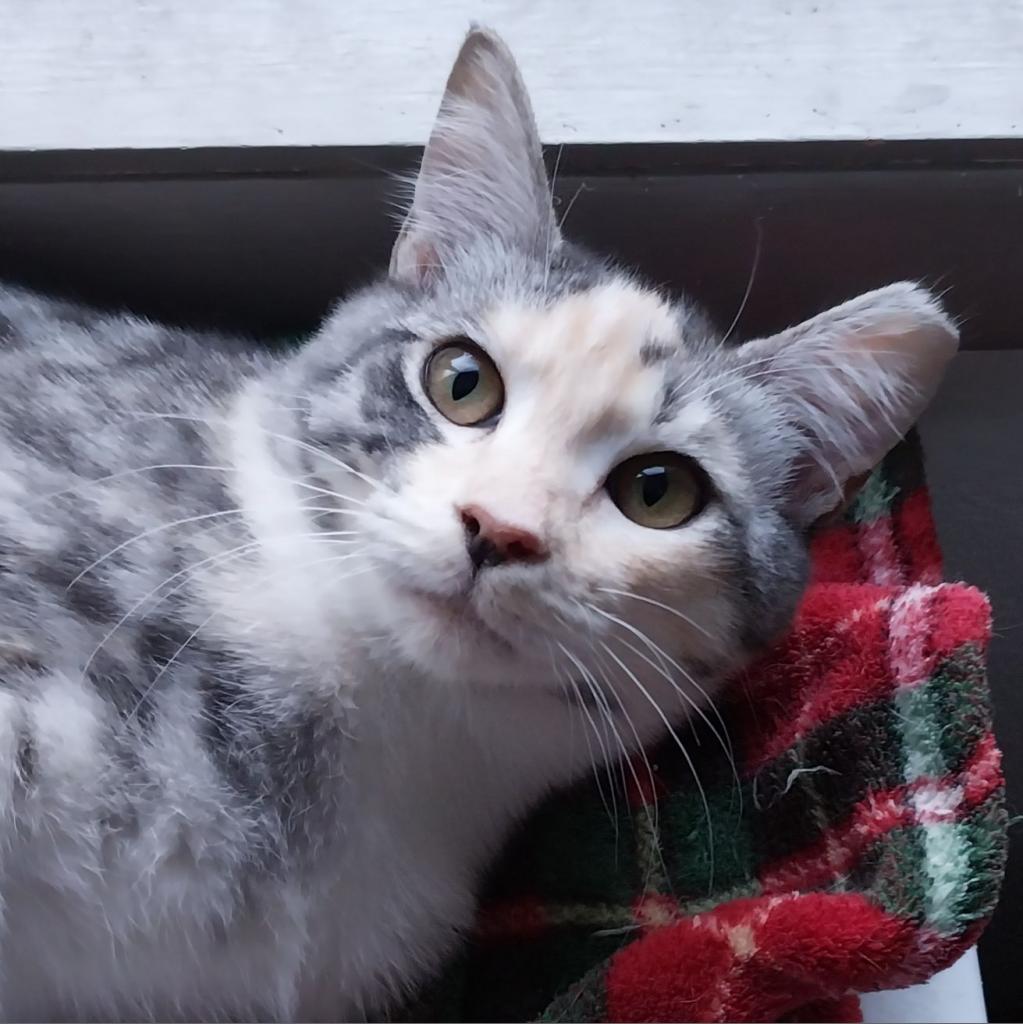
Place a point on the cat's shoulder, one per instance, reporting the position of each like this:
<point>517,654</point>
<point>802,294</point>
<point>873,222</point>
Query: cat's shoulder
<point>56,328</point>
<point>35,323</point>
<point>22,311</point>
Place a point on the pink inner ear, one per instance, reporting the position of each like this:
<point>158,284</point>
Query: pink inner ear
<point>426,261</point>
<point>414,257</point>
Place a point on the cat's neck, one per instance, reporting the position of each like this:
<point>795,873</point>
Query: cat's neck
<point>287,600</point>
<point>299,609</point>
<point>435,766</point>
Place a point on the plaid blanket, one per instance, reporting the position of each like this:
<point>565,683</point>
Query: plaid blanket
<point>859,845</point>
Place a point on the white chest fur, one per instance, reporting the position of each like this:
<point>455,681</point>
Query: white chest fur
<point>146,920</point>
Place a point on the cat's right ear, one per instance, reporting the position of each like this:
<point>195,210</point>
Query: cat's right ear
<point>482,175</point>
<point>852,380</point>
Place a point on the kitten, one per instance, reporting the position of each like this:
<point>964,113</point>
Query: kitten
<point>289,641</point>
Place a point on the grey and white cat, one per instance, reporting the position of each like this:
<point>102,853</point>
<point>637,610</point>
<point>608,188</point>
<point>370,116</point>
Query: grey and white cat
<point>289,641</point>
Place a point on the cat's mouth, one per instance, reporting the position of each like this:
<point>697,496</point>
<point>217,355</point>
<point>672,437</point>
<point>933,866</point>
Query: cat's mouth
<point>458,612</point>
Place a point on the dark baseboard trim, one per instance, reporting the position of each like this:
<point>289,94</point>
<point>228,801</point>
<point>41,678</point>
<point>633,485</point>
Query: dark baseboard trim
<point>577,159</point>
<point>263,240</point>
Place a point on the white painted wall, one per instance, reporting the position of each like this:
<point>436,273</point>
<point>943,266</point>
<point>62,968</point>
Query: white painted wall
<point>84,74</point>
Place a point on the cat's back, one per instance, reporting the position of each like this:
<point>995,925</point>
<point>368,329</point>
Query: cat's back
<point>100,417</point>
<point>127,778</point>
<point>75,381</point>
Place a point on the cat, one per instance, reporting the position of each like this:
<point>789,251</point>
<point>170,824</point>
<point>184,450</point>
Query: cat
<point>289,640</point>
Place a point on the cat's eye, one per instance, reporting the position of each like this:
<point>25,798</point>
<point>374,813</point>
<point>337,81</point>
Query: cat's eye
<point>463,383</point>
<point>660,490</point>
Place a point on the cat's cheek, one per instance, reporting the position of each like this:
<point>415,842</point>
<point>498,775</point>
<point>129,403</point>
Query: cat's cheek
<point>421,547</point>
<point>607,545</point>
<point>687,569</point>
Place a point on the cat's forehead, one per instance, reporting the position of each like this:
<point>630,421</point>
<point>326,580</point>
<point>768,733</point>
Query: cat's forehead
<point>596,354</point>
<point>615,325</point>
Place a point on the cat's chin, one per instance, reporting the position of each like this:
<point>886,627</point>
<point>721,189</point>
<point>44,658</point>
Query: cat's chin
<point>448,638</point>
<point>459,615</point>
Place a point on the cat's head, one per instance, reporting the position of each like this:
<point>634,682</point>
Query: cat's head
<point>566,473</point>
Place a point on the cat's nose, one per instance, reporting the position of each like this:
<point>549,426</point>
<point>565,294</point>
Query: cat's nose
<point>491,541</point>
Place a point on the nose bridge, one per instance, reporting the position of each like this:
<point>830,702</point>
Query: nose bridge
<point>516,504</point>
<point>516,486</point>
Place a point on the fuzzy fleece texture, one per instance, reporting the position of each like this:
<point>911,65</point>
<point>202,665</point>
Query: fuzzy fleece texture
<point>862,849</point>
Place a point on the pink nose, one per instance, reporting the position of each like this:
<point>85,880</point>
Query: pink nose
<point>491,541</point>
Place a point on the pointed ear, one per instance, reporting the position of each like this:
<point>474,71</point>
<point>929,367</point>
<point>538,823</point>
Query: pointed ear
<point>852,381</point>
<point>482,175</point>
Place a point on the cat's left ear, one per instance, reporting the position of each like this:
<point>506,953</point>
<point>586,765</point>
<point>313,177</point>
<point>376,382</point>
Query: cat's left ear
<point>851,381</point>
<point>482,175</point>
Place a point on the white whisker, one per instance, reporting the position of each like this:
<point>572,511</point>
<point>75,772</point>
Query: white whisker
<point>649,600</point>
<point>286,438</point>
<point>749,283</point>
<point>722,737</point>
<point>549,240</point>
<point>201,467</point>
<point>655,809</point>
<point>682,749</point>
<point>209,618</point>
<point>166,526</point>
<point>187,573</point>
<point>605,755</point>
<point>125,473</point>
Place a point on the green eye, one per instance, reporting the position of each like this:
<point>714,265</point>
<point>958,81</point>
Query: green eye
<point>463,383</point>
<point>660,490</point>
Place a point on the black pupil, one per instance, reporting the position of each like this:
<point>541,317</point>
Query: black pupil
<point>466,376</point>
<point>653,484</point>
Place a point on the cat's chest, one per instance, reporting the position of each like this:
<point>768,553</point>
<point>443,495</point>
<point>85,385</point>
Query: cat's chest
<point>182,939</point>
<point>371,900</point>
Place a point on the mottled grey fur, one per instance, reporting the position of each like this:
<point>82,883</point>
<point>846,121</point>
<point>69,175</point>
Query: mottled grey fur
<point>211,774</point>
